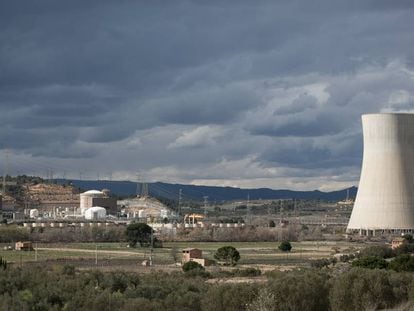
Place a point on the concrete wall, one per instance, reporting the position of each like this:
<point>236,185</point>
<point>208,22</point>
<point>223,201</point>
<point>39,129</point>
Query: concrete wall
<point>385,198</point>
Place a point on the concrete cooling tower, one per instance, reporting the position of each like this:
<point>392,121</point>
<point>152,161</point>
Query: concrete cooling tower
<point>385,199</point>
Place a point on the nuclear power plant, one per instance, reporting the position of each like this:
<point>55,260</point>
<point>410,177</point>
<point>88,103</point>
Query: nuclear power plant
<point>385,198</point>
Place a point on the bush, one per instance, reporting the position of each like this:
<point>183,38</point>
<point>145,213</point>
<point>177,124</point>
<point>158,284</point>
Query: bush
<point>320,263</point>
<point>294,290</point>
<point>228,254</point>
<point>285,246</point>
<point>3,263</point>
<point>362,289</point>
<point>192,265</point>
<point>377,251</point>
<point>405,248</point>
<point>247,272</point>
<point>403,262</point>
<point>370,262</point>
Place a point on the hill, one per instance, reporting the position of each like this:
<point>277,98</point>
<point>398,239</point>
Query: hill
<point>196,193</point>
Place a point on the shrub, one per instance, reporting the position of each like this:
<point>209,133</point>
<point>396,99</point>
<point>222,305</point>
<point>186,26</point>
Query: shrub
<point>320,263</point>
<point>378,251</point>
<point>247,272</point>
<point>362,289</point>
<point>404,262</point>
<point>285,246</point>
<point>192,265</point>
<point>228,254</point>
<point>370,262</point>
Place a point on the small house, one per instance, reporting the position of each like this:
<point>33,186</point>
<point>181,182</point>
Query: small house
<point>195,254</point>
<point>23,246</point>
<point>191,253</point>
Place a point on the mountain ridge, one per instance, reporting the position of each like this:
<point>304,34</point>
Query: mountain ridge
<point>214,193</point>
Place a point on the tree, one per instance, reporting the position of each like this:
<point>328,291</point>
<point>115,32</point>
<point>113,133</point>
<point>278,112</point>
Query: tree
<point>408,238</point>
<point>228,254</point>
<point>370,262</point>
<point>285,246</point>
<point>404,262</point>
<point>378,251</point>
<point>138,233</point>
<point>175,253</point>
<point>3,263</point>
<point>192,265</point>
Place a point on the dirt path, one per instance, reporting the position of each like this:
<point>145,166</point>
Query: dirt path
<point>81,250</point>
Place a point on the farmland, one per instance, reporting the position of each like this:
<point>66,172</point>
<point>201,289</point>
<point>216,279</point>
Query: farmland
<point>263,255</point>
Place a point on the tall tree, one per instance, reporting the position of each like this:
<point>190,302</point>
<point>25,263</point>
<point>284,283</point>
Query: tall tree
<point>138,233</point>
<point>228,254</point>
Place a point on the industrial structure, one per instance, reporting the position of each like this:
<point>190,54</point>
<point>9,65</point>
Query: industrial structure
<point>385,198</point>
<point>94,198</point>
<point>143,207</point>
<point>95,213</point>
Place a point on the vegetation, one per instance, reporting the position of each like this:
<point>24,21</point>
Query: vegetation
<point>64,287</point>
<point>192,265</point>
<point>3,264</point>
<point>324,262</point>
<point>285,246</point>
<point>370,262</point>
<point>138,233</point>
<point>404,262</point>
<point>381,251</point>
<point>228,254</point>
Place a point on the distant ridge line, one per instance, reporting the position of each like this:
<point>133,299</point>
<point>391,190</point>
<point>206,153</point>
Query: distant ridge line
<point>215,193</point>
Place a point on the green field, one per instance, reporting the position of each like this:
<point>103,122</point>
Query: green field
<point>257,254</point>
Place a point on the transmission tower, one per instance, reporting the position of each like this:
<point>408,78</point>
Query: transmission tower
<point>144,190</point>
<point>5,173</point>
<point>5,169</point>
<point>141,185</point>
<point>205,204</point>
<point>180,198</point>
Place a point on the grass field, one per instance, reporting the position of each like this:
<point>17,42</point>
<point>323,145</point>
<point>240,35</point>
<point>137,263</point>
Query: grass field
<point>257,254</point>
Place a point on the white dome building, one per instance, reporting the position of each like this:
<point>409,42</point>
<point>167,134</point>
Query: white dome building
<point>86,199</point>
<point>95,213</point>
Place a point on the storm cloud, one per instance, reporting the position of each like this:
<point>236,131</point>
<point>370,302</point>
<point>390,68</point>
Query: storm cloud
<point>239,93</point>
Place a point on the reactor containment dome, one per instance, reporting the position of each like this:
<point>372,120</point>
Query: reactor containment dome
<point>385,198</point>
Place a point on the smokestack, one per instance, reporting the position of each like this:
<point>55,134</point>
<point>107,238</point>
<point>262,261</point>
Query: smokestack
<point>385,199</point>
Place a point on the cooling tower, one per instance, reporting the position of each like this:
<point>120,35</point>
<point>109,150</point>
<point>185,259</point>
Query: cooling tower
<point>385,198</point>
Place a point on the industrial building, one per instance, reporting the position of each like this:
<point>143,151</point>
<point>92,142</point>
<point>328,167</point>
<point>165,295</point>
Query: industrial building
<point>144,206</point>
<point>95,213</point>
<point>385,198</point>
<point>93,198</point>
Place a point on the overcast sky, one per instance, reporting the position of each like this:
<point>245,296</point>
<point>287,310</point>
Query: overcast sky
<point>235,93</point>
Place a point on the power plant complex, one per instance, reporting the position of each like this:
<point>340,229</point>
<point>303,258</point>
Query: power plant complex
<point>385,199</point>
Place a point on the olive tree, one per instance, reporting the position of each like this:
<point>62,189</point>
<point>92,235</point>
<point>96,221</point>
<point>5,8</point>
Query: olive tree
<point>228,254</point>
<point>138,233</point>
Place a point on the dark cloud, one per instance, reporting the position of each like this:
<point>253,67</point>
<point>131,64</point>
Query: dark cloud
<point>202,86</point>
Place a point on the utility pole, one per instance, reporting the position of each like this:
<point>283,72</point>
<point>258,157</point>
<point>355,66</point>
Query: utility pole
<point>96,254</point>
<point>205,204</point>
<point>249,216</point>
<point>152,248</point>
<point>5,171</point>
<point>137,191</point>
<point>180,198</point>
